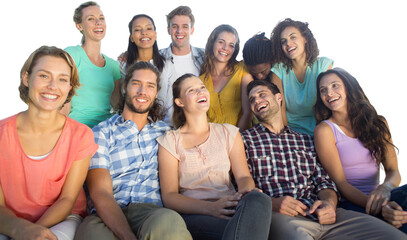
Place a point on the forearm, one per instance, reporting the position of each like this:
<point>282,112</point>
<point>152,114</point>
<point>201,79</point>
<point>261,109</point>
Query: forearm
<point>10,223</point>
<point>392,179</point>
<point>245,184</point>
<point>112,215</point>
<point>57,212</point>
<point>187,205</point>
<point>328,195</point>
<point>352,194</point>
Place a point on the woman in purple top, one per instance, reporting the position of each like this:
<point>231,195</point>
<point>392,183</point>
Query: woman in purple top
<point>351,141</point>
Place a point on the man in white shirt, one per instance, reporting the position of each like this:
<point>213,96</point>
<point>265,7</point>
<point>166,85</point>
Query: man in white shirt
<point>180,56</point>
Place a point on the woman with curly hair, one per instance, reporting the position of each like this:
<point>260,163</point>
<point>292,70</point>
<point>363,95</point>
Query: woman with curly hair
<point>296,68</point>
<point>226,79</point>
<point>352,141</point>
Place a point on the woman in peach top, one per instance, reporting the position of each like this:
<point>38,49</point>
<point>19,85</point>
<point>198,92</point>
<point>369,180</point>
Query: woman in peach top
<point>44,155</point>
<point>195,162</point>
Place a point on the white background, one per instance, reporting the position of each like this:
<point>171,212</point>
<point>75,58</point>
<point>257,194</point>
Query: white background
<point>367,38</point>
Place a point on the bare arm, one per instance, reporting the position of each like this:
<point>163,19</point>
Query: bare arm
<point>100,188</point>
<point>70,191</point>
<point>168,172</point>
<point>240,169</point>
<point>381,195</point>
<point>247,116</point>
<point>324,140</point>
<point>279,83</point>
<point>19,228</point>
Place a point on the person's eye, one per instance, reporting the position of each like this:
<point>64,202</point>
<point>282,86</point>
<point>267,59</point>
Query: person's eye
<point>65,80</point>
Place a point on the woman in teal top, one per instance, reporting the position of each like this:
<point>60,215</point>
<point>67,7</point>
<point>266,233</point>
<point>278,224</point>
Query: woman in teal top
<point>296,68</point>
<point>98,74</point>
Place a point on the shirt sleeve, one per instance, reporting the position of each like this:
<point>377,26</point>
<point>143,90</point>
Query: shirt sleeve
<point>169,142</point>
<point>101,159</point>
<point>321,179</point>
<point>88,145</point>
<point>230,134</point>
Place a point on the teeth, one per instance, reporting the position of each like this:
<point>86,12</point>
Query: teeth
<point>145,39</point>
<point>223,53</point>
<point>141,100</point>
<point>293,48</point>
<point>180,37</point>
<point>202,100</point>
<point>331,100</point>
<point>261,107</point>
<point>49,96</point>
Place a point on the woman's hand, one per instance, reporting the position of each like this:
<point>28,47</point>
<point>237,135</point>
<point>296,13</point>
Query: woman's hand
<point>378,198</point>
<point>222,208</point>
<point>31,231</point>
<point>394,214</point>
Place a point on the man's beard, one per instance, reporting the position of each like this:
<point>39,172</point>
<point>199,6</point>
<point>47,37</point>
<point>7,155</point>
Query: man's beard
<point>129,103</point>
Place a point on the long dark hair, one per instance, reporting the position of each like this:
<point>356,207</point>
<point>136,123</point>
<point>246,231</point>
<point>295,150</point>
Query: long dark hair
<point>132,49</point>
<point>157,111</point>
<point>209,57</point>
<point>311,46</point>
<point>178,117</point>
<point>369,127</point>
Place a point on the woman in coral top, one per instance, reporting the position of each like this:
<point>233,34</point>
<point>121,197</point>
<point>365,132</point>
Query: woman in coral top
<point>44,155</point>
<point>195,162</point>
<point>226,79</point>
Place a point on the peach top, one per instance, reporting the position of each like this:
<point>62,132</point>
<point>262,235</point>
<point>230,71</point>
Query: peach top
<point>204,170</point>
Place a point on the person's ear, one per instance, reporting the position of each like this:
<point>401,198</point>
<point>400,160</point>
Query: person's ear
<point>178,102</point>
<point>79,27</point>
<point>25,77</point>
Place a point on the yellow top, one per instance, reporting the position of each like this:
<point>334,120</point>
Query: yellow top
<point>226,106</point>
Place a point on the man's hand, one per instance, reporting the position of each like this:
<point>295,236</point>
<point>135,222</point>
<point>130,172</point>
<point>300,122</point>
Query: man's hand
<point>325,211</point>
<point>289,206</point>
<point>394,214</point>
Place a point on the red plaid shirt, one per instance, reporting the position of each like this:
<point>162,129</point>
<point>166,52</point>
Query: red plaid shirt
<point>285,164</point>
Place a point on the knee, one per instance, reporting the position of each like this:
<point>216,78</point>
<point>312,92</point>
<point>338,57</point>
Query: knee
<point>168,223</point>
<point>258,200</point>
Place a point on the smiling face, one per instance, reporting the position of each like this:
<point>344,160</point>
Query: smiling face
<point>49,83</point>
<point>141,91</point>
<point>224,46</point>
<point>292,43</point>
<point>260,71</point>
<point>263,103</point>
<point>180,30</point>
<point>143,33</point>
<point>93,25</point>
<point>333,92</point>
<point>193,95</point>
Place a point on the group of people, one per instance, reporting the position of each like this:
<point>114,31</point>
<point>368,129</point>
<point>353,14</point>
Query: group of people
<point>189,143</point>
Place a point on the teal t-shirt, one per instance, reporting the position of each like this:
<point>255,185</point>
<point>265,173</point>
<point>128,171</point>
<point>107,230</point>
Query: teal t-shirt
<point>91,104</point>
<point>301,97</point>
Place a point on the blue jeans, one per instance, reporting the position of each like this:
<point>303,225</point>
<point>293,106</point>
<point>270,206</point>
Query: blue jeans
<point>251,220</point>
<point>398,195</point>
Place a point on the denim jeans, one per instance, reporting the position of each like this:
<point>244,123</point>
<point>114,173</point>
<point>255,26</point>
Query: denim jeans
<point>251,220</point>
<point>398,195</point>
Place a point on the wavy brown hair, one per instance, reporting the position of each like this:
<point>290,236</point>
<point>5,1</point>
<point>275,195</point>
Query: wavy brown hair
<point>208,63</point>
<point>369,127</point>
<point>178,117</point>
<point>157,111</point>
<point>311,46</point>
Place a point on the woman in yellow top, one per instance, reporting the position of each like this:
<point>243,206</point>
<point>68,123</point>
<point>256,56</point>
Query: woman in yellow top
<point>226,79</point>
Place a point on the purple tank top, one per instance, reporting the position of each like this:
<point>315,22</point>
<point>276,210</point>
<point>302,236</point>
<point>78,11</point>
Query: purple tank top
<point>360,168</point>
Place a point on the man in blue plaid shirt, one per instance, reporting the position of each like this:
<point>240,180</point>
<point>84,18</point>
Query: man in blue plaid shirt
<point>123,174</point>
<point>284,165</point>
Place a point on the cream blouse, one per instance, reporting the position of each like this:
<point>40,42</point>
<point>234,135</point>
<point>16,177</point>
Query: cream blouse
<point>204,170</point>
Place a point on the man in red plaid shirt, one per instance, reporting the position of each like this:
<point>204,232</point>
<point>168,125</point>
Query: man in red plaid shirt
<point>284,165</point>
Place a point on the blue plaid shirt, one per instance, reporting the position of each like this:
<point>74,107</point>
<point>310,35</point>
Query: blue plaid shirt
<point>131,157</point>
<point>285,164</point>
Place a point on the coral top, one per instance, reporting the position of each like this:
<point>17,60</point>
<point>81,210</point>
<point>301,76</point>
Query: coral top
<point>226,106</point>
<point>31,186</point>
<point>204,169</point>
